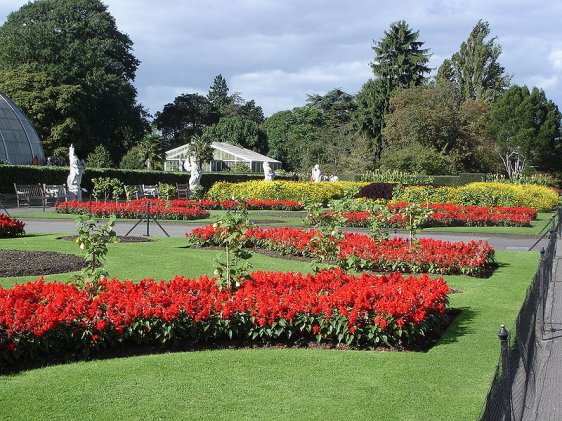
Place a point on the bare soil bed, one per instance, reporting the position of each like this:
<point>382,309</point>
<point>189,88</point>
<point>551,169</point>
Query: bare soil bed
<point>28,263</point>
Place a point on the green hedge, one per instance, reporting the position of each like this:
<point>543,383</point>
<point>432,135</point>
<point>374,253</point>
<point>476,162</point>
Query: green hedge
<point>30,174</point>
<point>458,180</point>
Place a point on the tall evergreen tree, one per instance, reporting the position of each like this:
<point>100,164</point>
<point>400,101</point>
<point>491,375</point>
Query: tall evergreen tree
<point>369,116</point>
<point>526,125</point>
<point>218,93</point>
<point>475,69</point>
<point>400,60</point>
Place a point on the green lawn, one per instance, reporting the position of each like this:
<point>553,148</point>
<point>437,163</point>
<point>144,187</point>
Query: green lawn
<point>449,382</point>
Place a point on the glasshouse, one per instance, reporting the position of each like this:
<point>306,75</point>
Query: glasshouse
<point>19,143</point>
<point>225,157</point>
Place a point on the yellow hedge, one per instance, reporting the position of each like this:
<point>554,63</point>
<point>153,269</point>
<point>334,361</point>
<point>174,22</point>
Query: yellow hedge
<point>283,190</point>
<point>540,198</point>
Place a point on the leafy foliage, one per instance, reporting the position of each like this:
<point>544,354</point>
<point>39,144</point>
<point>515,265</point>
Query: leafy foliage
<point>377,191</point>
<point>93,239</point>
<point>69,68</point>
<point>240,131</point>
<point>231,271</point>
<point>475,69</point>
<point>99,158</point>
<point>528,123</point>
<point>184,118</point>
<point>106,187</point>
<point>400,61</point>
<point>435,124</point>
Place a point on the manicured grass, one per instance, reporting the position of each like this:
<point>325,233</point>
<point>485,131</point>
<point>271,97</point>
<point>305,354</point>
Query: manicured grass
<point>163,258</point>
<point>449,382</point>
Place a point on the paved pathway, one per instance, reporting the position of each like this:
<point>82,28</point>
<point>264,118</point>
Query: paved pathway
<point>179,229</point>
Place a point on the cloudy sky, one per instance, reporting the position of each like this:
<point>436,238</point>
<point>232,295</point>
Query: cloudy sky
<point>277,52</point>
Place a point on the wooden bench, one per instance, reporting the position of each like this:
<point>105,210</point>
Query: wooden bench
<point>29,192</point>
<point>182,190</point>
<point>46,193</point>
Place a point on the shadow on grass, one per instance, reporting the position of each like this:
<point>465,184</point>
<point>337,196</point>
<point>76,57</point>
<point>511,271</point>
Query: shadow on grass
<point>33,235</point>
<point>461,325</point>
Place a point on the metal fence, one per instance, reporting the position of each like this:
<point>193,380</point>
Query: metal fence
<point>514,384</point>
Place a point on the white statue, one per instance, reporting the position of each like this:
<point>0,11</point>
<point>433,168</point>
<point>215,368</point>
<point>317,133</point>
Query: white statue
<point>195,177</point>
<point>74,179</point>
<point>316,174</point>
<point>268,172</point>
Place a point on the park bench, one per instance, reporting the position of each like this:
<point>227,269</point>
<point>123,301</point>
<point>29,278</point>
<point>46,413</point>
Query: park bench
<point>182,191</point>
<point>46,194</point>
<point>55,193</point>
<point>149,190</point>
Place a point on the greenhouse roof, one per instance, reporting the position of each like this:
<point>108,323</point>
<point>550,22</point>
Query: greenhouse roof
<point>240,153</point>
<point>19,142</point>
<point>244,154</point>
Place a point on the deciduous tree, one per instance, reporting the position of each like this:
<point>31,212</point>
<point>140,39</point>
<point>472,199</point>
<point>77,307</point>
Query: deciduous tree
<point>475,69</point>
<point>184,118</point>
<point>71,70</point>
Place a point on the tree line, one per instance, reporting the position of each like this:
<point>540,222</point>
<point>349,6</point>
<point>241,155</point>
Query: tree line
<point>66,64</point>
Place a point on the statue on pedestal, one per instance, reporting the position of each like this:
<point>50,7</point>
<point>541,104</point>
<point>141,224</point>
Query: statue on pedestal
<point>316,174</point>
<point>74,178</point>
<point>268,172</point>
<point>195,177</point>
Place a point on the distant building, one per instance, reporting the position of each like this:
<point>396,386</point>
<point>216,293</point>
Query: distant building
<point>225,157</point>
<point>19,143</point>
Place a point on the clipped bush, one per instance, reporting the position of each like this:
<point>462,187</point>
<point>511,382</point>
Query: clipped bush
<point>34,174</point>
<point>540,198</point>
<point>377,191</point>
<point>283,190</point>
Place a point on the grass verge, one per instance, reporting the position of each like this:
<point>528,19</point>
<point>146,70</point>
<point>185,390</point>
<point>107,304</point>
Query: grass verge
<point>448,382</point>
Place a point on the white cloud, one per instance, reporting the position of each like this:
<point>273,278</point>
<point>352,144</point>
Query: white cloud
<point>277,87</point>
<point>276,52</point>
<point>547,83</point>
<point>555,58</point>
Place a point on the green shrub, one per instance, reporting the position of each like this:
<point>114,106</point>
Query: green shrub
<point>283,190</point>
<point>537,197</point>
<point>33,174</point>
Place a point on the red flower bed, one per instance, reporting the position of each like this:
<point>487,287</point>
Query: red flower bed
<point>172,209</point>
<point>10,227</point>
<point>361,252</point>
<point>449,215</point>
<point>49,318</point>
<point>133,209</point>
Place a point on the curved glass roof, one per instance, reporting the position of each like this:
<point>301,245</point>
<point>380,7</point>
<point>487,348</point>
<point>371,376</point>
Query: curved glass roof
<point>19,142</point>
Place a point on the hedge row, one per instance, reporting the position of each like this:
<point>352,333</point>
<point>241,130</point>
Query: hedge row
<point>540,198</point>
<point>29,174</point>
<point>284,190</point>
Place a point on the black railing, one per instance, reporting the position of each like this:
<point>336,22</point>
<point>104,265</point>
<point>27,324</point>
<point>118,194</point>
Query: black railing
<point>514,384</point>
